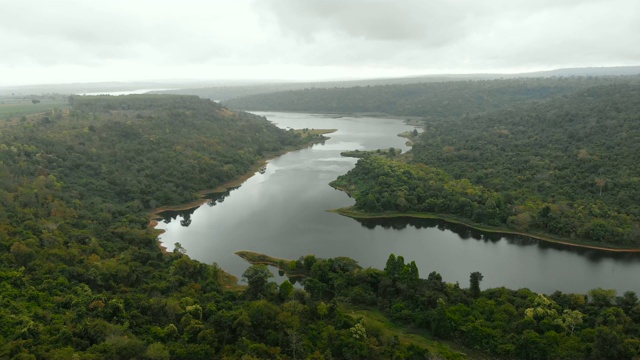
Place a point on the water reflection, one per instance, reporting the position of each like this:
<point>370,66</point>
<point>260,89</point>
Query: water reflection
<point>466,233</point>
<point>184,215</point>
<point>218,197</point>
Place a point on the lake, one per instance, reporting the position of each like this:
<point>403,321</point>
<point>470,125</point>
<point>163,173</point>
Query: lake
<point>282,212</point>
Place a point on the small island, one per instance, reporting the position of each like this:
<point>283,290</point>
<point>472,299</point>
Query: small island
<point>390,152</point>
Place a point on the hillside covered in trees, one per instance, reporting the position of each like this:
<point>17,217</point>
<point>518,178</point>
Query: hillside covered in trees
<point>142,150</point>
<point>564,167</point>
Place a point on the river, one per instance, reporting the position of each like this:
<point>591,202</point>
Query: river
<point>282,212</point>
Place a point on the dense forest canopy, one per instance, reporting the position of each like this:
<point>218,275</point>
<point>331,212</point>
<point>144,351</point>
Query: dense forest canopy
<point>104,146</point>
<point>572,158</point>
<point>499,322</point>
<point>83,277</point>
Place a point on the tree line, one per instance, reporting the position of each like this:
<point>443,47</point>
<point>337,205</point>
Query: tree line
<point>427,100</point>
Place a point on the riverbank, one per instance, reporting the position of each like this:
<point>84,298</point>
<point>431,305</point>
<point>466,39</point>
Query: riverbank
<point>350,212</point>
<point>154,215</point>
<point>289,267</point>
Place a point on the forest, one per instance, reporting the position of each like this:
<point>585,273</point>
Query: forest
<point>225,93</point>
<point>500,323</point>
<point>13,106</point>
<point>83,275</point>
<point>81,269</point>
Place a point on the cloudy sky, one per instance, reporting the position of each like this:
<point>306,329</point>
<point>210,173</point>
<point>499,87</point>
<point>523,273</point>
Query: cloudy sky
<point>62,41</point>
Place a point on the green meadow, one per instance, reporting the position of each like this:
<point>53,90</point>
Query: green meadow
<point>12,107</point>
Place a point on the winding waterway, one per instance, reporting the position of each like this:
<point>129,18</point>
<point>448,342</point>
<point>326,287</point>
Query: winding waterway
<point>282,212</point>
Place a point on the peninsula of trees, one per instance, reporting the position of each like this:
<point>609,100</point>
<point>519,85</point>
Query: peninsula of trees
<point>565,167</point>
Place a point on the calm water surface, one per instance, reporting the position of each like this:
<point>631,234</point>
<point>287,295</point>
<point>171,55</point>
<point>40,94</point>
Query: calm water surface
<point>282,212</point>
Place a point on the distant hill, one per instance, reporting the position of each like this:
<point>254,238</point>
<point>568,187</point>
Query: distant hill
<point>222,93</point>
<point>227,92</point>
<point>81,88</point>
<point>221,90</point>
<point>437,99</point>
<point>588,71</point>
<point>111,87</point>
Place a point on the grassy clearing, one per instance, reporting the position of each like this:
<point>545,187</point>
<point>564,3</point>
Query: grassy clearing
<point>365,153</point>
<point>289,267</point>
<point>406,134</point>
<point>257,258</point>
<point>312,132</point>
<point>12,108</point>
<point>377,323</point>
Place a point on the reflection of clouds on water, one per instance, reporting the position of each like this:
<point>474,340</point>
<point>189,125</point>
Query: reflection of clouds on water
<point>341,159</point>
<point>339,146</point>
<point>265,173</point>
<point>125,92</point>
<point>316,167</point>
<point>334,164</point>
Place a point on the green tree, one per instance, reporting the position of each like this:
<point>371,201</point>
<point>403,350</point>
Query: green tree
<point>474,284</point>
<point>530,345</point>
<point>285,290</point>
<point>257,277</point>
<point>571,319</point>
<point>627,301</point>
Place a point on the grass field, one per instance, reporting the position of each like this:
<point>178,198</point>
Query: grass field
<point>13,107</point>
<point>378,323</point>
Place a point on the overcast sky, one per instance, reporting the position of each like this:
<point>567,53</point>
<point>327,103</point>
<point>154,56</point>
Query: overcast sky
<point>62,41</point>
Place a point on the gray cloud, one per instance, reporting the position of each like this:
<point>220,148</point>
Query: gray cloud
<point>456,33</point>
<point>118,39</point>
<point>432,23</point>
